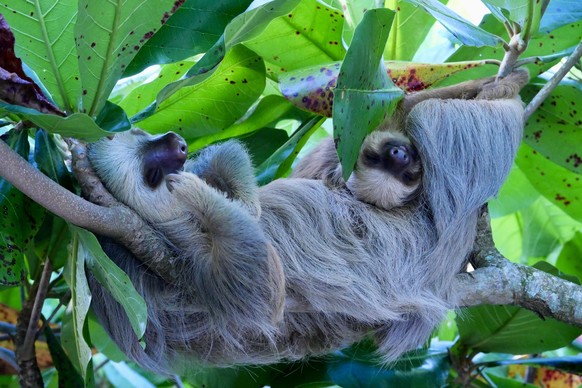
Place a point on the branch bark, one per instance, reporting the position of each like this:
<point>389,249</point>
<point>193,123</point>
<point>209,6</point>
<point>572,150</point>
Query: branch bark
<point>498,281</point>
<point>117,221</point>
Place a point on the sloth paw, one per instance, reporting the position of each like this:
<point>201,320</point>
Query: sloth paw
<point>184,183</point>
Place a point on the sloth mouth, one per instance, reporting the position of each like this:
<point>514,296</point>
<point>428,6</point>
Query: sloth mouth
<point>155,176</point>
<point>162,156</point>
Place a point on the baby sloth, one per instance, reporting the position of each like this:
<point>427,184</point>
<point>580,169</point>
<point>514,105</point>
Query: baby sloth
<point>302,267</point>
<point>387,160</point>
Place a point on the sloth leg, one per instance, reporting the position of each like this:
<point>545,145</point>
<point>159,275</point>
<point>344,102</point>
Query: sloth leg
<point>227,167</point>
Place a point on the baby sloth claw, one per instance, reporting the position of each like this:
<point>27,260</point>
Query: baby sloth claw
<point>302,267</point>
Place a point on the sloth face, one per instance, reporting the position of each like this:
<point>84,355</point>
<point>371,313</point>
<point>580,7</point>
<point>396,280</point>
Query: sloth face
<point>388,171</point>
<point>133,165</point>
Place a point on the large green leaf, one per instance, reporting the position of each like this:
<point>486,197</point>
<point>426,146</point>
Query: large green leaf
<point>559,185</point>
<point>411,26</point>
<point>555,128</point>
<point>53,238</point>
<point>145,94</point>
<point>266,114</point>
<point>559,13</point>
<point>569,259</point>
<point>543,44</point>
<point>242,28</point>
<point>68,376</point>
<point>354,12</point>
<point>113,279</point>
<point>310,34</point>
<point>279,163</point>
<point>72,335</point>
<point>193,29</point>
<point>108,35</point>
<point>509,329</point>
<point>545,227</point>
<point>208,103</point>
<point>515,194</point>
<point>364,96</point>
<point>311,88</point>
<point>45,41</point>
<point>20,219</point>
<point>463,30</point>
<point>78,125</point>
<point>522,12</point>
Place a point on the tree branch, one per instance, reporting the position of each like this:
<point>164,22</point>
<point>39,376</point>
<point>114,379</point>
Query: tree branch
<point>553,82</point>
<point>499,281</point>
<point>118,221</point>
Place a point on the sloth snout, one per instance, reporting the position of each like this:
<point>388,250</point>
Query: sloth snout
<point>176,145</point>
<point>399,155</point>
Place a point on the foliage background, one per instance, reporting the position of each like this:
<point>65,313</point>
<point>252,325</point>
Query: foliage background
<point>265,75</point>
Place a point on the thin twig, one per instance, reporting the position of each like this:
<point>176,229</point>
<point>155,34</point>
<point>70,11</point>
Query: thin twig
<point>32,332</point>
<point>553,82</point>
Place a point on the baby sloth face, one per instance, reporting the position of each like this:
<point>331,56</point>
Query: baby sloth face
<point>388,172</point>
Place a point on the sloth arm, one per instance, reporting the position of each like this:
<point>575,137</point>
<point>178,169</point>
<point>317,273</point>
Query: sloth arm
<point>209,231</point>
<point>228,168</point>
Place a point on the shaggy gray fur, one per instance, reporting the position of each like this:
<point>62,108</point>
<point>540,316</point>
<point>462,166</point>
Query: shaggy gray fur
<point>349,267</point>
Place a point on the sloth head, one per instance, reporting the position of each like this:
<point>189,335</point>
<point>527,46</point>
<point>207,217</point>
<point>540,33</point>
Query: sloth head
<point>117,159</point>
<point>388,172</point>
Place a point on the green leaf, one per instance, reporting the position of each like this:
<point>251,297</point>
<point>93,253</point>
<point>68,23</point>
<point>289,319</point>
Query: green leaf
<point>72,335</point>
<point>515,194</point>
<point>410,28</point>
<point>263,143</point>
<point>192,30</point>
<point>108,35</point>
<point>279,163</point>
<point>78,125</point>
<point>569,259</point>
<point>20,219</point>
<point>68,376</point>
<point>354,12</point>
<point>559,13</point>
<point>101,341</point>
<point>569,364</point>
<point>121,375</point>
<point>508,382</point>
<point>270,110</point>
<point>113,279</point>
<point>542,44</point>
<point>52,239</point>
<point>310,34</point>
<point>545,227</point>
<point>145,94</point>
<point>209,103</point>
<point>555,128</point>
<point>311,88</point>
<point>45,42</point>
<point>519,11</point>
<point>364,96</point>
<point>560,186</point>
<point>509,329</point>
<point>112,118</point>
<point>463,30</point>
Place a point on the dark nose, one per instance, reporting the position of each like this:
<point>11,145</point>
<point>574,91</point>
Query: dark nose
<point>399,155</point>
<point>176,146</point>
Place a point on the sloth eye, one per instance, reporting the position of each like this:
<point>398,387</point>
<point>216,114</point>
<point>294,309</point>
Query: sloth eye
<point>371,157</point>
